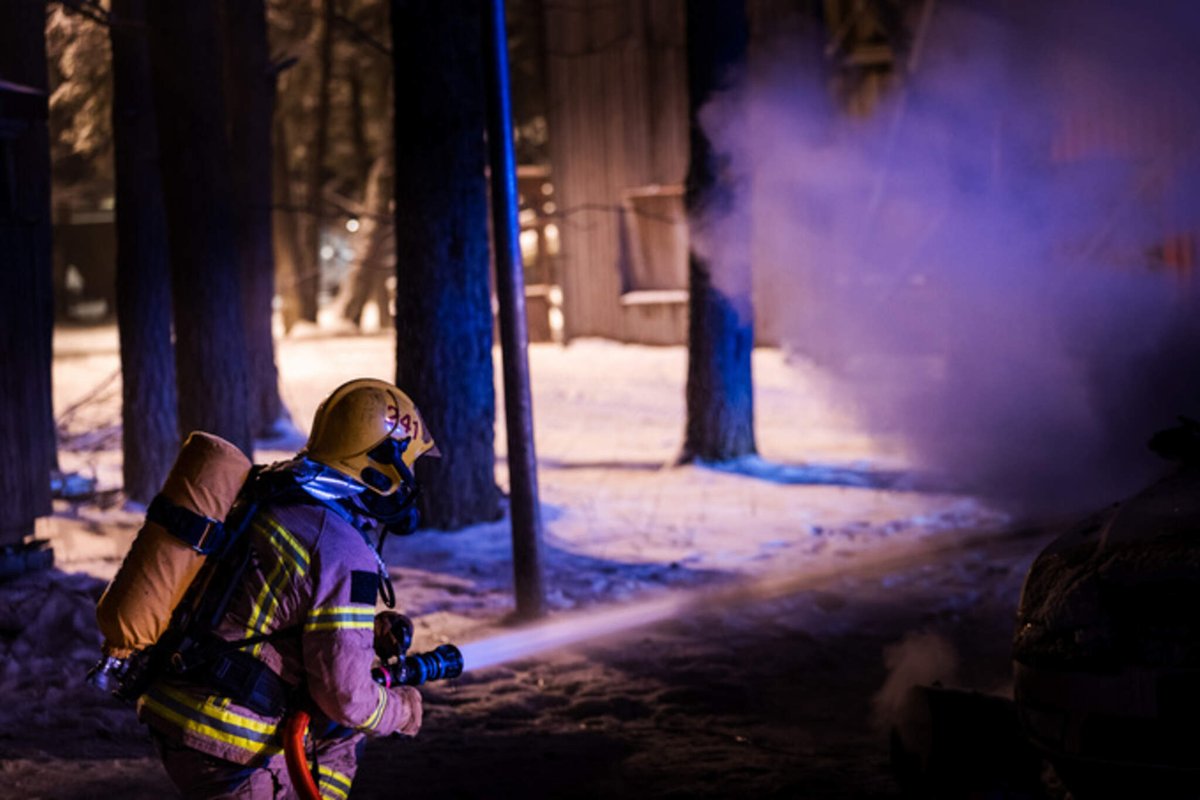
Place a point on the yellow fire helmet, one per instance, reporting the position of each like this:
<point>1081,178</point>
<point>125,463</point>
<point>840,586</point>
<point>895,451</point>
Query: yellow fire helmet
<point>361,430</point>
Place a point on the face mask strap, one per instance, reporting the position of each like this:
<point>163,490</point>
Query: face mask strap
<point>399,516</point>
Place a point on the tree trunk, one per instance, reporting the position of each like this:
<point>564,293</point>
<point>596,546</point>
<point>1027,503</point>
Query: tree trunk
<point>287,234</point>
<point>310,282</point>
<point>27,439</point>
<point>251,84</point>
<point>720,397</point>
<point>443,304</point>
<point>369,272</point>
<point>364,160</point>
<point>210,341</point>
<point>150,428</point>
<point>367,278</point>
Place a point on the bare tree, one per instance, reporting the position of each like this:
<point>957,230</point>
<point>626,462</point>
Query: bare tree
<point>370,93</point>
<point>27,446</point>
<point>720,398</point>
<point>210,341</point>
<point>250,79</point>
<point>443,306</point>
<point>150,429</point>
<point>297,29</point>
<point>367,279</point>
<point>308,288</point>
<point>293,260</point>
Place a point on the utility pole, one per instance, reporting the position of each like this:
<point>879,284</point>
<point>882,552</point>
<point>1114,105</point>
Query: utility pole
<point>514,335</point>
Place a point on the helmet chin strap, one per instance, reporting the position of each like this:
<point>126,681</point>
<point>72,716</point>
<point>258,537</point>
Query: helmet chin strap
<point>397,511</point>
<point>399,516</point>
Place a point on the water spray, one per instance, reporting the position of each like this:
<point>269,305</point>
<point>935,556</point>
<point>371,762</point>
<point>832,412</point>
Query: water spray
<point>557,634</point>
<point>560,633</point>
<point>448,661</point>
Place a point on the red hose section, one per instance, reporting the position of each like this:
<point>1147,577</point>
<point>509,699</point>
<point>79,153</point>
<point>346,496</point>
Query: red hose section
<point>295,726</point>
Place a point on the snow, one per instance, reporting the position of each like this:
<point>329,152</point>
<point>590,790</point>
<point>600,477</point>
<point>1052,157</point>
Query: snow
<point>764,593</point>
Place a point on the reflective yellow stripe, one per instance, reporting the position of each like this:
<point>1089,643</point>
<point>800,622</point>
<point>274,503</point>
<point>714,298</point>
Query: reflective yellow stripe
<point>377,714</point>
<point>330,790</point>
<point>203,704</point>
<point>195,724</point>
<point>338,626</point>
<point>287,545</point>
<point>263,611</point>
<point>333,774</point>
<point>340,617</point>
<point>292,558</point>
<point>333,783</point>
<point>326,611</point>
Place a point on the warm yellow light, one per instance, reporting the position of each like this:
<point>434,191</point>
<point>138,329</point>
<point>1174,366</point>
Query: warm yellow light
<point>529,245</point>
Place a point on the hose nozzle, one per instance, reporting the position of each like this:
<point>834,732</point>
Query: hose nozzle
<point>444,662</point>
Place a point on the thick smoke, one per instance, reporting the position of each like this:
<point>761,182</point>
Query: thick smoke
<point>920,659</point>
<point>998,261</point>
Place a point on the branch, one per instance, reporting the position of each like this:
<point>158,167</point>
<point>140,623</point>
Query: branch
<point>339,209</point>
<point>283,65</point>
<point>361,35</point>
<point>90,9</point>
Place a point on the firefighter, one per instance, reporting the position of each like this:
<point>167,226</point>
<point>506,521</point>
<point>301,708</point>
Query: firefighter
<point>303,594</point>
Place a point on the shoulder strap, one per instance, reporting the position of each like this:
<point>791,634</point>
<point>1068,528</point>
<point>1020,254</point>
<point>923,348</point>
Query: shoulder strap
<point>214,647</point>
<point>202,610</point>
<point>203,534</point>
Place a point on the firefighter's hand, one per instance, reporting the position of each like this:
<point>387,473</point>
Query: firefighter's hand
<point>411,698</point>
<point>393,633</point>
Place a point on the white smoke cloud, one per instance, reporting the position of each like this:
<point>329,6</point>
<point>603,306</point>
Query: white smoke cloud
<point>995,262</point>
<point>919,659</point>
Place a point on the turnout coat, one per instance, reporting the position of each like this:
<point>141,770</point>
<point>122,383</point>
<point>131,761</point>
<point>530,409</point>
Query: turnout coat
<point>312,570</point>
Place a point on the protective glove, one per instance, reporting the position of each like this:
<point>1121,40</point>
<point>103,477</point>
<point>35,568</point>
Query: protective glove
<point>393,635</point>
<point>411,698</point>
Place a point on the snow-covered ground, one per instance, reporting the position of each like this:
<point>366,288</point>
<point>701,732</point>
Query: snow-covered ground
<point>785,580</point>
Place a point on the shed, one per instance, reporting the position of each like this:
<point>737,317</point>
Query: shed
<point>616,77</point>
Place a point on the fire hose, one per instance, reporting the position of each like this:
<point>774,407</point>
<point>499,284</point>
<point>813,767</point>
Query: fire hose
<point>402,669</point>
<point>295,728</point>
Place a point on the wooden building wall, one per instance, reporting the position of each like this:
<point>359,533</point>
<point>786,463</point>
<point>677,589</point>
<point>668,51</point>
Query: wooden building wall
<point>617,94</point>
<point>616,81</point>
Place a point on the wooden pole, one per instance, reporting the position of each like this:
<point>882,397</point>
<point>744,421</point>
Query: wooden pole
<point>514,336</point>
